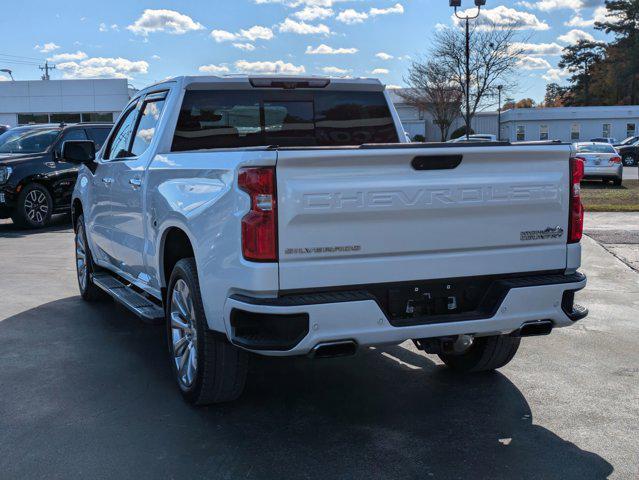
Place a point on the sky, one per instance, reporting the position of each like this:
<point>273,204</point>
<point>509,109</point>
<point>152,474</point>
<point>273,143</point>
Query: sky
<point>147,41</point>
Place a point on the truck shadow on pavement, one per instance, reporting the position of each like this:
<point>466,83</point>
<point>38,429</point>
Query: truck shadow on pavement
<point>88,392</point>
<point>59,223</point>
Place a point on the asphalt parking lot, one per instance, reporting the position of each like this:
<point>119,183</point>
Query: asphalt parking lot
<point>87,393</point>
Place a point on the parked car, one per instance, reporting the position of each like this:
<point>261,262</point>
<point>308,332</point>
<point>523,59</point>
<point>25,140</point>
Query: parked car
<point>629,151</point>
<point>627,141</point>
<point>475,137</point>
<point>601,161</point>
<point>35,182</point>
<point>609,140</point>
<point>282,216</point>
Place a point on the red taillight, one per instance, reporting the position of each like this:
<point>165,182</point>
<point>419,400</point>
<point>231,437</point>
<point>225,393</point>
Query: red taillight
<point>259,225</point>
<point>615,160</point>
<point>576,217</point>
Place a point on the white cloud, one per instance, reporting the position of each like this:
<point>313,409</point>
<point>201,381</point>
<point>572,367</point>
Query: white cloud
<point>351,16</point>
<point>573,36</point>
<point>380,71</point>
<point>397,8</point>
<point>276,67</point>
<point>326,50</point>
<point>578,21</point>
<point>502,16</point>
<point>256,32</point>
<point>555,74</point>
<point>4,79</point>
<point>310,13</point>
<point>47,47</point>
<point>68,57</point>
<point>105,28</point>
<point>156,57</point>
<point>533,63</point>
<point>101,67</point>
<point>538,48</point>
<point>214,69</point>
<point>335,71</point>
<point>393,87</point>
<point>301,3</point>
<point>247,47</point>
<point>547,5</point>
<point>169,21</point>
<point>383,56</point>
<point>302,28</point>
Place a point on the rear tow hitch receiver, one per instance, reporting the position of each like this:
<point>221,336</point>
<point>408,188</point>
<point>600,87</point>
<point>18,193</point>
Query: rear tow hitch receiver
<point>445,345</point>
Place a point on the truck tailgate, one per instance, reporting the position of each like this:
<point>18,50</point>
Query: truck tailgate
<point>377,215</point>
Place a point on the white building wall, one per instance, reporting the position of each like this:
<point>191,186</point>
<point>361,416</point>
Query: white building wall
<point>61,96</point>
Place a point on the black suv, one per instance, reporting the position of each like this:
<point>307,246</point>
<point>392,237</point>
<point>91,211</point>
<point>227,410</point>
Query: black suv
<point>629,151</point>
<point>34,181</point>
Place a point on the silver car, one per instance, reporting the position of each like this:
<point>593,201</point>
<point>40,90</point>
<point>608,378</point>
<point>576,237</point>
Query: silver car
<point>601,160</point>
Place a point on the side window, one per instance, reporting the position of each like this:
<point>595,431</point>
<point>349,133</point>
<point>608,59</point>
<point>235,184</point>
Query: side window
<point>121,139</point>
<point>98,135</point>
<point>149,117</point>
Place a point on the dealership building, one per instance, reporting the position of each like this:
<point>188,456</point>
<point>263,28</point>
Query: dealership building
<point>69,101</point>
<point>568,124</point>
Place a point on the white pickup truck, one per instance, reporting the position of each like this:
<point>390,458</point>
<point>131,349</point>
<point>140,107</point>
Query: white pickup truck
<point>289,216</point>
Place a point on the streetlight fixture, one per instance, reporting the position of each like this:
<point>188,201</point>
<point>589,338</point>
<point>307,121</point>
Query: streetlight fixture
<point>456,4</point>
<point>6,70</point>
<point>499,89</point>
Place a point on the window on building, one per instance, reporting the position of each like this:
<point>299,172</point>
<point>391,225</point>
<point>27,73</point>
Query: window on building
<point>574,131</point>
<point>521,133</point>
<point>64,118</point>
<point>630,129</point>
<point>605,130</point>
<point>30,118</point>
<point>97,117</point>
<point>543,132</point>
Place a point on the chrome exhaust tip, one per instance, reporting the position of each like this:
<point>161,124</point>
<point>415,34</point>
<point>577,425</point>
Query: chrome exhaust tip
<point>534,329</point>
<point>340,348</point>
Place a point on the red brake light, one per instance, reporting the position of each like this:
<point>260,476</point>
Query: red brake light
<point>259,225</point>
<point>615,160</point>
<point>576,216</point>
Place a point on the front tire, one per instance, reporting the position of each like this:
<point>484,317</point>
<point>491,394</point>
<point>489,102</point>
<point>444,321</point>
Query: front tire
<point>486,353</point>
<point>34,207</point>
<point>84,265</point>
<point>207,368</point>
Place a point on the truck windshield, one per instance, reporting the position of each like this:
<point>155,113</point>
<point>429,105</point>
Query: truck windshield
<point>248,118</point>
<point>27,140</point>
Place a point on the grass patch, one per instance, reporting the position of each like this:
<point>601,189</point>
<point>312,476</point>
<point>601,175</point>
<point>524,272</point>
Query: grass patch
<point>604,197</point>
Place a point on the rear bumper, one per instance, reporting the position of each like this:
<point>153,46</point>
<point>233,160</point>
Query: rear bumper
<point>603,171</point>
<point>364,321</point>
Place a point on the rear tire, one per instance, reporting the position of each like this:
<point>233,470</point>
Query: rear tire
<point>34,207</point>
<point>214,370</point>
<point>486,353</point>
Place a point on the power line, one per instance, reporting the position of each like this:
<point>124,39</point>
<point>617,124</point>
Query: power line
<point>20,57</point>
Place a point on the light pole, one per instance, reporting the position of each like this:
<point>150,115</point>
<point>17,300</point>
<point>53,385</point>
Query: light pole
<point>467,18</point>
<point>499,88</point>
<point>6,70</point>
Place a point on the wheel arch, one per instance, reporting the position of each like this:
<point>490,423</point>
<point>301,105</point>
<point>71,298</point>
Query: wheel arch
<point>175,245</point>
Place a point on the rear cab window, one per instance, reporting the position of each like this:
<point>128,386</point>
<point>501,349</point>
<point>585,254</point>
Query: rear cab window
<point>212,119</point>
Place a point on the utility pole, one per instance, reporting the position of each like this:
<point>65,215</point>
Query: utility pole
<point>499,88</point>
<point>46,69</point>
<point>467,18</point>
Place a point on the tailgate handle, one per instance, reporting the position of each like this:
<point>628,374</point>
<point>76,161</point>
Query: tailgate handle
<point>439,162</point>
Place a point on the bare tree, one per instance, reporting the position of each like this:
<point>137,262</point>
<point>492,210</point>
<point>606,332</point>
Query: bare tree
<point>431,90</point>
<point>494,54</point>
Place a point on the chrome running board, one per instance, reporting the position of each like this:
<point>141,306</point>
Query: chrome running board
<point>128,297</point>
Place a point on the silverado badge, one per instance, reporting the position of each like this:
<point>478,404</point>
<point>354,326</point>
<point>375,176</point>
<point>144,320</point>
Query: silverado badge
<point>550,232</point>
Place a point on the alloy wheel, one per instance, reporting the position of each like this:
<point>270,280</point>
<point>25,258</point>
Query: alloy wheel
<point>36,206</point>
<point>183,334</point>
<point>81,258</point>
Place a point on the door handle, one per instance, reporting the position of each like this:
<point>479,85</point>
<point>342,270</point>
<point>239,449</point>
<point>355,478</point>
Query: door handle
<point>135,182</point>
<point>107,180</point>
